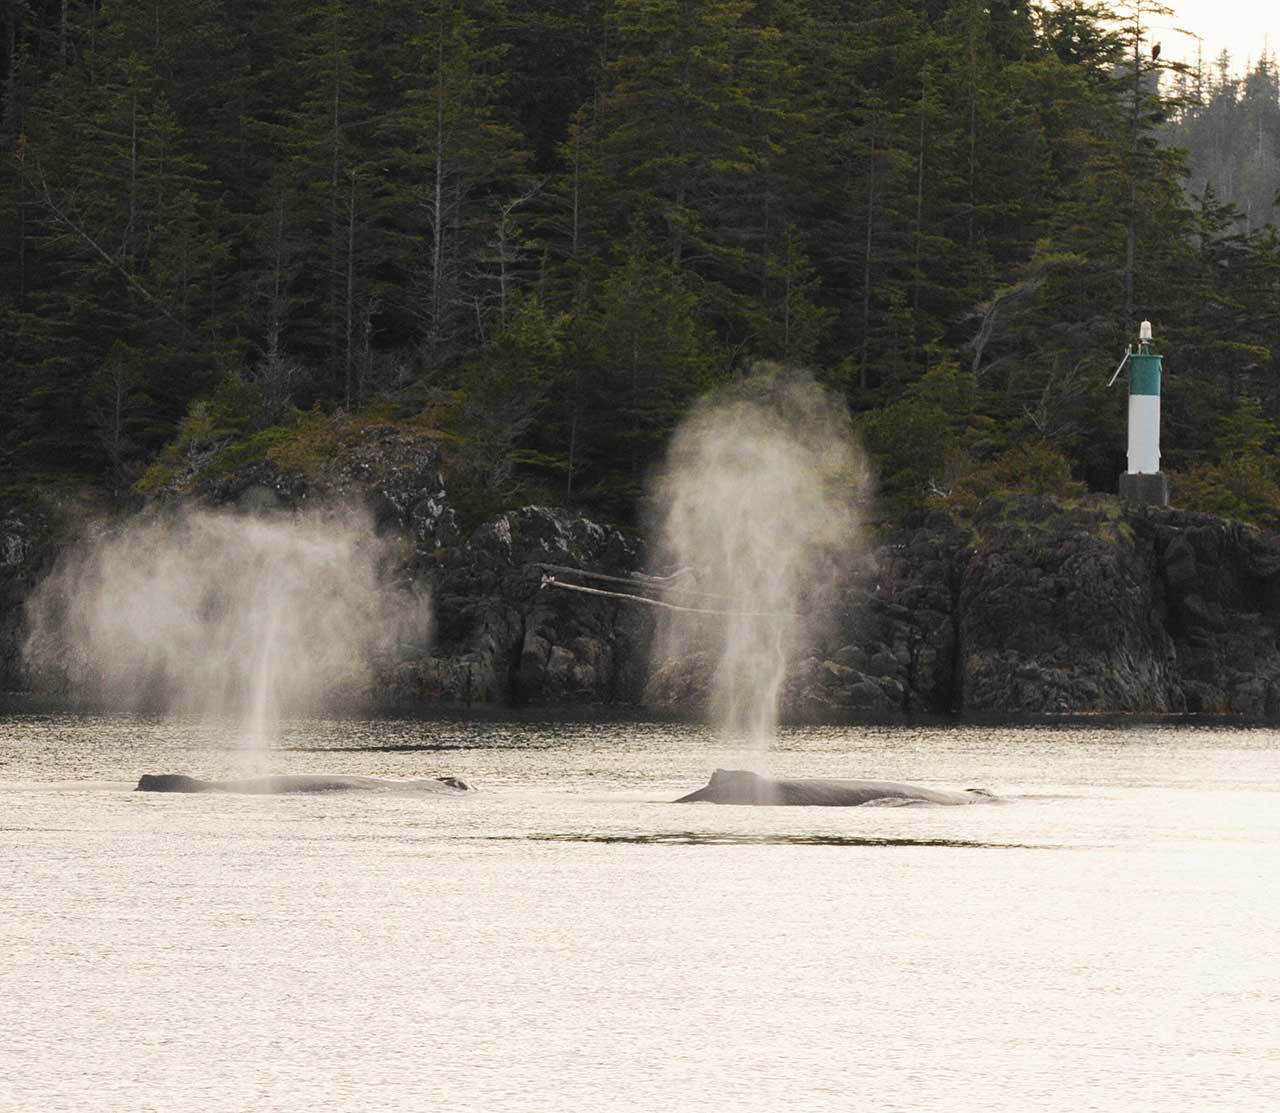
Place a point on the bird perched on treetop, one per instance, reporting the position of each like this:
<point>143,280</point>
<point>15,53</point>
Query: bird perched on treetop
<point>1155,52</point>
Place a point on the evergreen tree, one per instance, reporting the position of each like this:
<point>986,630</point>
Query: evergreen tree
<point>550,227</point>
<point>641,359</point>
<point>690,123</point>
<point>122,238</point>
<point>460,165</point>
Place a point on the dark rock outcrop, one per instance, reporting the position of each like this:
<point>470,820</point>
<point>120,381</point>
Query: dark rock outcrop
<point>397,477</point>
<point>18,572</point>
<point>1030,608</point>
<point>1216,587</point>
<point>895,648</point>
<point>1037,608</point>
<point>1059,611</point>
<point>503,638</point>
<point>1096,607</point>
<point>499,637</point>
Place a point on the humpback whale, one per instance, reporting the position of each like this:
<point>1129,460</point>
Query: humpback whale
<point>737,786</point>
<point>301,782</point>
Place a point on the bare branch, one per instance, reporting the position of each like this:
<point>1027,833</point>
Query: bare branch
<point>67,221</point>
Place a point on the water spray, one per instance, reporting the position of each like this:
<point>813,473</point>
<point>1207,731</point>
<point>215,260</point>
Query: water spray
<point>243,618</point>
<point>759,494</point>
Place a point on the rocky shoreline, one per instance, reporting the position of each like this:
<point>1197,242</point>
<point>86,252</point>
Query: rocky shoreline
<point>1033,608</point>
<point>1092,608</point>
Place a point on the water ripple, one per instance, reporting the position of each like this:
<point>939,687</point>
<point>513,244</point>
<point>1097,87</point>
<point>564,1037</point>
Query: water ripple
<point>715,838</point>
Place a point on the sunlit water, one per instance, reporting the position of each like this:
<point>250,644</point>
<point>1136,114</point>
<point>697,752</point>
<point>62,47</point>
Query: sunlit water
<point>565,940</point>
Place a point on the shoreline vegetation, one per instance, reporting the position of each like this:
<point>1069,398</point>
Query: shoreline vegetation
<point>536,234</point>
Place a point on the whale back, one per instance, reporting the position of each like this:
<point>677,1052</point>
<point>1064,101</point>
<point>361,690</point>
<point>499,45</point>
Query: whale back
<point>738,786</point>
<point>171,782</point>
<point>298,783</point>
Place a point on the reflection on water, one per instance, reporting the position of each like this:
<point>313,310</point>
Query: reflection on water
<point>719,838</point>
<point>419,748</point>
<point>525,947</point>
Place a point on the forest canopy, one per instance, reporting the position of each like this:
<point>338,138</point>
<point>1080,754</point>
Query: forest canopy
<point>541,228</point>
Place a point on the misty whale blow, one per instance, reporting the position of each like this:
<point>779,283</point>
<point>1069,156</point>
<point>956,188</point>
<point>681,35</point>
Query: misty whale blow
<point>302,782</point>
<point>737,786</point>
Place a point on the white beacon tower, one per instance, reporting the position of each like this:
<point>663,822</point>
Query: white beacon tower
<point>1144,482</point>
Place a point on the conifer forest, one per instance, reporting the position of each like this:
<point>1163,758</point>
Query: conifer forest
<point>536,230</point>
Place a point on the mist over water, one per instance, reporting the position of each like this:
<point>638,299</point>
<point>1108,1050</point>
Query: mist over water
<point>759,520</point>
<point>245,617</point>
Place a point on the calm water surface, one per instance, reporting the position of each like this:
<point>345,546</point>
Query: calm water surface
<point>564,939</point>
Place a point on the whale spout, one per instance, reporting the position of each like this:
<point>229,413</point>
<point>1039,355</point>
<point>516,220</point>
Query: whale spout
<point>738,786</point>
<point>299,783</point>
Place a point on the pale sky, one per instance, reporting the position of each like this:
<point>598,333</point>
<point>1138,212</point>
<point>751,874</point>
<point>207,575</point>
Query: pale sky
<point>1239,26</point>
